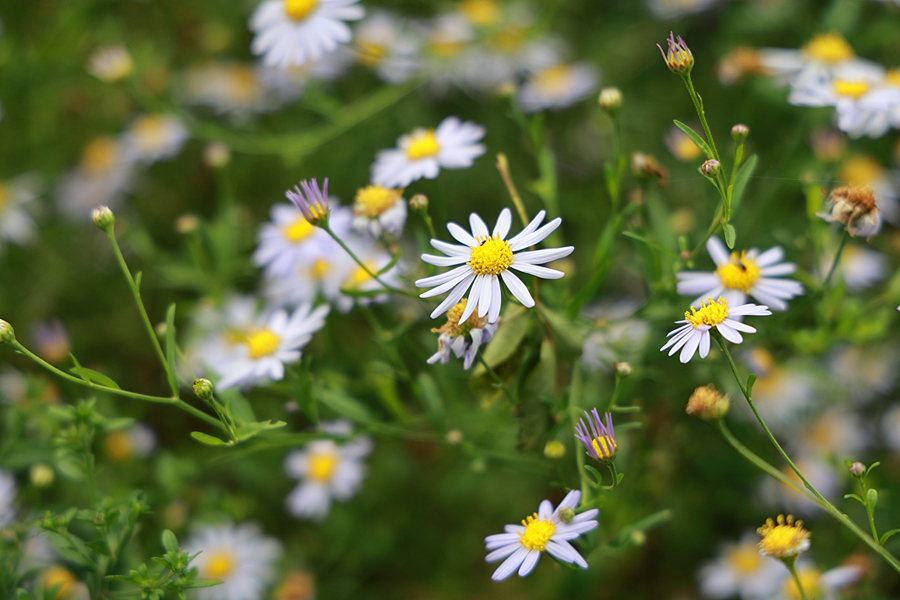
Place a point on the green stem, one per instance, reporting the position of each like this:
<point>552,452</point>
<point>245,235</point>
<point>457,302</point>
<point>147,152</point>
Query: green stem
<point>837,257</point>
<point>497,379</point>
<point>362,265</point>
<point>175,401</point>
<point>698,105</point>
<point>819,498</point>
<point>503,167</point>
<point>148,326</point>
<point>793,569</point>
<point>574,395</point>
<point>716,223</point>
<point>759,462</point>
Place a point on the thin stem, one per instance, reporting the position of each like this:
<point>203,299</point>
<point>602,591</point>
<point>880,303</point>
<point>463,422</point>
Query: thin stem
<point>793,569</point>
<point>497,379</point>
<point>503,167</point>
<point>18,347</point>
<point>698,104</point>
<point>716,223</point>
<point>574,394</point>
<point>362,265</point>
<point>870,510</point>
<point>148,326</point>
<point>759,462</point>
<point>837,257</point>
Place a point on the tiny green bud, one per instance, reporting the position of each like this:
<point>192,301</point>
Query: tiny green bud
<point>711,168</point>
<point>566,514</point>
<point>610,99</point>
<point>857,469</point>
<point>418,203</point>
<point>103,217</point>
<point>708,404</point>
<point>740,132</point>
<point>203,389</point>
<point>7,333</point>
<point>554,450</point>
<point>623,369</point>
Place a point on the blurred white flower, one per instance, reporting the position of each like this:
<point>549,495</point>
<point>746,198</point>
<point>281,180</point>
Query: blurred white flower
<point>557,86</point>
<point>739,570</point>
<point>817,471</point>
<point>103,176</point>
<point>825,57</point>
<point>110,63</point>
<point>675,9</point>
<point>378,210</point>
<point>383,44</point>
<point>153,137</point>
<point>8,491</point>
<point>16,224</point>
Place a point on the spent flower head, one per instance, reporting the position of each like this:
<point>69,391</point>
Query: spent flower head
<point>783,538</point>
<point>600,441</point>
<point>678,57</point>
<point>855,208</point>
<point>708,404</point>
<point>312,201</point>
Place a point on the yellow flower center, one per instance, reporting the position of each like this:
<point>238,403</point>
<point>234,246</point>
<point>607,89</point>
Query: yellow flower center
<point>445,48</point>
<point>605,447</point>
<point>493,256</point>
<point>298,230</point>
<point>262,343</point>
<point>62,577</point>
<point>118,446</point>
<point>322,466</point>
<point>4,196</point>
<point>99,154</point>
<point>244,83</point>
<point>509,39</point>
<point>537,533</point>
<point>320,268</point>
<point>852,89</point>
<point>710,314</point>
<point>553,80</point>
<point>858,170</point>
<point>375,199</point>
<point>481,12</point>
<point>422,144</point>
<point>219,565</point>
<point>744,559</point>
<point>360,276</point>
<point>454,328</point>
<point>298,10</point>
<point>739,274</point>
<point>893,77</point>
<point>783,539</point>
<point>809,579</point>
<point>685,149</point>
<point>828,47</point>
<point>369,53</point>
<point>150,131</point>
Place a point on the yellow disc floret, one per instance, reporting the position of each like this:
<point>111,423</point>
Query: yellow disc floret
<point>374,199</point>
<point>740,273</point>
<point>537,533</point>
<point>369,53</point>
<point>298,10</point>
<point>554,80</point>
<point>454,328</point>
<point>422,144</point>
<point>150,131</point>
<point>99,155</point>
<point>711,313</point>
<point>263,343</point>
<point>851,89</point>
<point>605,447</point>
<point>62,577</point>
<point>784,538</point>
<point>492,256</point>
<point>219,565</point>
<point>828,47</point>
<point>298,230</point>
<point>322,466</point>
<point>744,559</point>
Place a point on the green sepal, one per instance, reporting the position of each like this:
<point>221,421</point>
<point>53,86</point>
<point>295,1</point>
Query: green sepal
<point>750,381</point>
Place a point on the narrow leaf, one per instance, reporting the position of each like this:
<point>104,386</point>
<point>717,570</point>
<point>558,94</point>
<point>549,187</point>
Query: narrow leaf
<point>170,349</point>
<point>750,381</point>
<point>78,369</point>
<point>207,439</point>
<point>695,137</point>
<point>93,376</point>
<point>741,180</point>
<point>730,235</point>
<point>887,535</point>
<point>137,281</point>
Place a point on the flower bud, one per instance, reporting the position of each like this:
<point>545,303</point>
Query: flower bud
<point>203,389</point>
<point>623,369</point>
<point>418,203</point>
<point>41,475</point>
<point>610,99</point>
<point>740,132</point>
<point>711,168</point>
<point>216,155</point>
<point>554,450</point>
<point>857,469</point>
<point>678,58</point>
<point>566,514</point>
<point>103,217</point>
<point>647,168</point>
<point>7,333</point>
<point>708,404</point>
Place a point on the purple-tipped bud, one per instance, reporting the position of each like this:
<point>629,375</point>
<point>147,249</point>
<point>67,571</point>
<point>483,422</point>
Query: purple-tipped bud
<point>600,440</point>
<point>857,469</point>
<point>711,168</point>
<point>740,132</point>
<point>678,58</point>
<point>312,201</point>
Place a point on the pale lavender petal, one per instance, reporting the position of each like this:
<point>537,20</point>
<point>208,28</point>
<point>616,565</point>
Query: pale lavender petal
<point>517,288</point>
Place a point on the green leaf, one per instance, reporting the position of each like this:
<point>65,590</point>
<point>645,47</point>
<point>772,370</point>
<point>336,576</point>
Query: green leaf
<point>887,535</point>
<point>619,478</point>
<point>730,235</point>
<point>93,376</point>
<point>695,137</point>
<point>137,281</point>
<point>596,474</point>
<point>249,430</point>
<point>170,349</point>
<point>202,583</point>
<point>78,369</point>
<point>207,439</point>
<point>855,497</point>
<point>506,341</point>
<point>871,498</point>
<point>564,329</point>
<point>117,424</point>
<point>741,180</point>
<point>169,541</point>
<point>750,381</point>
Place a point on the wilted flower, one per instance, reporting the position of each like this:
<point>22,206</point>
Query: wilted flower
<point>783,539</point>
<point>855,208</point>
<point>708,404</point>
<point>462,339</point>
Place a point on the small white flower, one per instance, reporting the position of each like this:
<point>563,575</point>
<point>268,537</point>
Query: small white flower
<point>784,391</point>
<point>103,176</point>
<point>275,340</point>
<point>153,137</point>
<point>557,86</point>
<point>740,275</point>
<point>694,333</point>
<point>452,145</point>
<point>383,45</point>
<point>237,88</point>
<point>835,434</point>
<point>327,471</point>
<point>378,210</point>
<point>239,556</point>
<point>823,58</point>
<point>463,339</point>
<point>483,257</point>
<point>522,545</point>
<point>7,498</point>
<point>739,570</point>
<point>111,63</point>
<point>862,373</point>
<point>293,32</point>
<point>16,224</point>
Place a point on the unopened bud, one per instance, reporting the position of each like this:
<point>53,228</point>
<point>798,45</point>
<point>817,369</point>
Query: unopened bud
<point>623,369</point>
<point>678,57</point>
<point>419,203</point>
<point>566,514</point>
<point>7,333</point>
<point>554,450</point>
<point>41,475</point>
<point>708,404</point>
<point>857,469</point>
<point>216,155</point>
<point>610,99</point>
<point>711,168</point>
<point>740,132</point>
<point>454,436</point>
<point>203,389</point>
<point>103,217</point>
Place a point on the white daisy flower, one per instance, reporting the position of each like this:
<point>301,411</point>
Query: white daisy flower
<point>547,530</point>
<point>235,88</point>
<point>153,137</point>
<point>739,275</point>
<point>859,267</point>
<point>275,340</point>
<point>327,472</point>
<point>557,86</point>
<point>462,339</point>
<point>823,58</point>
<point>694,333</point>
<point>836,433</point>
<point>382,44</point>
<point>422,153</point>
<point>216,332</point>
<point>447,40</point>
<point>102,177</point>
<point>309,281</point>
<point>7,498</point>
<point>358,279</point>
<point>111,63</point>
<point>293,32</point>
<point>483,257</point>
<point>16,224</point>
<point>819,585</point>
<point>239,556</point>
<point>378,210</point>
<point>739,570</point>
<point>861,373</point>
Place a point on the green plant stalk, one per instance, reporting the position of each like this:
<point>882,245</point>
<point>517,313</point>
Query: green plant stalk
<point>837,257</point>
<point>18,347</point>
<point>148,326</point>
<point>497,379</point>
<point>870,510</point>
<point>362,265</point>
<point>698,105</point>
<point>503,167</point>
<point>759,462</point>
<point>574,395</point>
<point>821,501</point>
<point>793,569</point>
<point>716,223</point>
